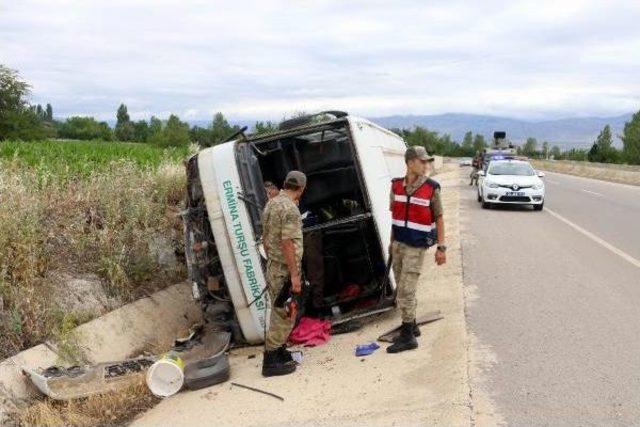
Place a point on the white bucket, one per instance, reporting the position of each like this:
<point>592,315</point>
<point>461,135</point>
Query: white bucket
<point>166,377</point>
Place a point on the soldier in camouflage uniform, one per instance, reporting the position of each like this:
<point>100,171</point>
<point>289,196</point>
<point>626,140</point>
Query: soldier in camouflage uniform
<point>417,224</point>
<point>282,238</point>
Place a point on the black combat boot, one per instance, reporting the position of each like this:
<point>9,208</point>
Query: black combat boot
<point>284,354</point>
<point>273,364</point>
<point>405,341</point>
<point>416,330</point>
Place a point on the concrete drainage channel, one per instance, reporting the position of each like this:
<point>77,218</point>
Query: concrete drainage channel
<point>145,326</point>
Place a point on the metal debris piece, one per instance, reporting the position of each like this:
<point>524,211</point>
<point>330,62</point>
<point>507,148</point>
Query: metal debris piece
<point>258,391</point>
<point>80,381</point>
<point>390,335</point>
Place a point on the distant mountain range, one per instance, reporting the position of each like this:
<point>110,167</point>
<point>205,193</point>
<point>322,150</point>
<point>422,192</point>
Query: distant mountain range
<point>566,133</point>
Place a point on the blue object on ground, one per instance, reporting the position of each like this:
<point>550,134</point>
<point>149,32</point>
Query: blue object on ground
<point>366,349</point>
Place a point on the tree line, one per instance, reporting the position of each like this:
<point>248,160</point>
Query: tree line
<point>22,121</point>
<point>443,145</point>
<point>601,151</point>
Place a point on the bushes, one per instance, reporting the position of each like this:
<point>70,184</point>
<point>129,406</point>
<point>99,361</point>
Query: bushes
<point>173,134</point>
<point>631,140</point>
<point>22,125</point>
<point>84,128</point>
<point>441,145</point>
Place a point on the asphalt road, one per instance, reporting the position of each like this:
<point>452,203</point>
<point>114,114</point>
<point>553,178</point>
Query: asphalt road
<point>557,301</point>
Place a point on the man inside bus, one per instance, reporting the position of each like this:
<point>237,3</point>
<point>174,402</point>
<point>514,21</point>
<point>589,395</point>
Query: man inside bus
<point>282,236</point>
<point>271,190</point>
<point>417,224</point>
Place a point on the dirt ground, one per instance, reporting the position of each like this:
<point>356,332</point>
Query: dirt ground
<point>427,386</point>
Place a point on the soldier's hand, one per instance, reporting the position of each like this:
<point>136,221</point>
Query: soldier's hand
<point>441,257</point>
<point>296,284</point>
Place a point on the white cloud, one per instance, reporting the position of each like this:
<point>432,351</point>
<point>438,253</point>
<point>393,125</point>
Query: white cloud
<point>264,59</point>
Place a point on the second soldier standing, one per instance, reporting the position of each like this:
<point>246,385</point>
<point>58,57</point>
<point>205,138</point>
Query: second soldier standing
<point>282,238</point>
<point>417,224</point>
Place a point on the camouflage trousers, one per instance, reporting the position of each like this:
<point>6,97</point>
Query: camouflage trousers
<point>279,324</point>
<point>474,175</point>
<point>407,265</point>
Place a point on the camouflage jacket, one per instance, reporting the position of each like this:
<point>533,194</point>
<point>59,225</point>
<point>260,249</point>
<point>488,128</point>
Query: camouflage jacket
<point>281,220</point>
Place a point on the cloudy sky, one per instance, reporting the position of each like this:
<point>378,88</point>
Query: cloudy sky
<point>264,59</point>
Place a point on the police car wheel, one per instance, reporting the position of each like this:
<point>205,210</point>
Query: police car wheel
<point>538,207</point>
<point>479,197</point>
<point>486,205</point>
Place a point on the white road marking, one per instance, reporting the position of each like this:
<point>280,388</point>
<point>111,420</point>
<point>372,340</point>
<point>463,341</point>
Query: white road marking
<point>593,192</point>
<point>622,254</point>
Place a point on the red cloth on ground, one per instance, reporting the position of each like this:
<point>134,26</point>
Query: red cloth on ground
<point>311,332</point>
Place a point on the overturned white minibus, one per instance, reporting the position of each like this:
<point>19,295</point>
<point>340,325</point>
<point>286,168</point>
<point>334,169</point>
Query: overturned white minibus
<point>349,163</point>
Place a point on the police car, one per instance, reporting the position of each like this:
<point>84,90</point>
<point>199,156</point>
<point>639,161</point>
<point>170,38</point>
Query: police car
<point>510,181</point>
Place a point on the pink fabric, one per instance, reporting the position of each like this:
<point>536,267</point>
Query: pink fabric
<point>311,332</point>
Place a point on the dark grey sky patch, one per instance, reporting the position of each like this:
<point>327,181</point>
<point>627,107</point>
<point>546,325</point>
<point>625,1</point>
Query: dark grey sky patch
<point>265,59</point>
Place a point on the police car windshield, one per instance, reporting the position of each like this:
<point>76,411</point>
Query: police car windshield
<point>510,168</point>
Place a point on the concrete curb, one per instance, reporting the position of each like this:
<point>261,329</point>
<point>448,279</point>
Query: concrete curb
<point>149,323</point>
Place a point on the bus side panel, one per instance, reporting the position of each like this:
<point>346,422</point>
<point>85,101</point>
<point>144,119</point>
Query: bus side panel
<point>381,157</point>
<point>234,239</point>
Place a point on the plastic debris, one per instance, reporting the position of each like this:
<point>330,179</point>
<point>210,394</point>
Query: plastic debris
<point>297,356</point>
<point>366,349</point>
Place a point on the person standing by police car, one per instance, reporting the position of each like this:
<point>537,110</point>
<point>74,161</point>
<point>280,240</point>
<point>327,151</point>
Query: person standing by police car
<point>417,224</point>
<point>476,163</point>
<point>282,238</point>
